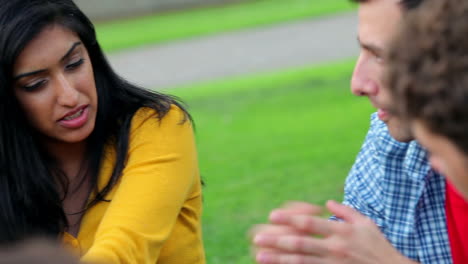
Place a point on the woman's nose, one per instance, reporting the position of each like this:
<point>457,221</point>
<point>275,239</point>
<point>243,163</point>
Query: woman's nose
<point>67,95</point>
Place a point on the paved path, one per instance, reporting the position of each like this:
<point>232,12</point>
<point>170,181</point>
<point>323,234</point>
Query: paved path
<point>243,52</point>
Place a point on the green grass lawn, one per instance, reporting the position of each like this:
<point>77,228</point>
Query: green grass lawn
<point>266,139</point>
<point>165,27</point>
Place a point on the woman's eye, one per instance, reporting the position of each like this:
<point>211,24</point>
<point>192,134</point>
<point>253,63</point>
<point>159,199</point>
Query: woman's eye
<point>74,65</point>
<point>34,86</point>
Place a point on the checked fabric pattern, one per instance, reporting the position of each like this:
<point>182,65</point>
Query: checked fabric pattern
<point>392,183</point>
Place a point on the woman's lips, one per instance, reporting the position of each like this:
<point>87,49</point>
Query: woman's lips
<point>76,120</point>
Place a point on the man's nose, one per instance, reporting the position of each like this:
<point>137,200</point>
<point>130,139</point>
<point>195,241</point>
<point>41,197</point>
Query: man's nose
<point>366,87</point>
<point>362,83</point>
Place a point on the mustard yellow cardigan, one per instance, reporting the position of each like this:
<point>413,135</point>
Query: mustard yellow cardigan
<point>155,211</point>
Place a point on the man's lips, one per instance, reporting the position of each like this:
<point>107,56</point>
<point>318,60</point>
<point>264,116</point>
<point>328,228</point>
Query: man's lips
<point>382,114</point>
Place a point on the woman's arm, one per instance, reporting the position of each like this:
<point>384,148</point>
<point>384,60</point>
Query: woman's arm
<point>158,197</point>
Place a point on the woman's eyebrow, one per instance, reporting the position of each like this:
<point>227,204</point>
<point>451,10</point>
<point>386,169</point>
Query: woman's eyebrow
<point>76,44</point>
<point>72,48</point>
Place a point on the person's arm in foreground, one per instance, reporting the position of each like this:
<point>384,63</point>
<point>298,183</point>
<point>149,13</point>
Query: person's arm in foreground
<point>297,235</point>
<point>158,200</point>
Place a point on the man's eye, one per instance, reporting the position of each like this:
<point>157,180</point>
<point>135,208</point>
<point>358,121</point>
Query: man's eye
<point>74,65</point>
<point>377,58</point>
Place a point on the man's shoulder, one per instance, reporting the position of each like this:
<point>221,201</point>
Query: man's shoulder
<point>391,182</point>
<point>383,161</point>
<point>386,174</point>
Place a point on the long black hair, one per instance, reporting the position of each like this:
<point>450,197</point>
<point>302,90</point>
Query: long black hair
<point>30,196</point>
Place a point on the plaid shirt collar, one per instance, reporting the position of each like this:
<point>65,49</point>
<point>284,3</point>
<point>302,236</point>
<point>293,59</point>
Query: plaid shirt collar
<point>392,183</point>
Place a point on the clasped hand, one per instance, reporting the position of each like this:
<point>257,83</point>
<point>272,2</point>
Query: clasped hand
<point>297,234</point>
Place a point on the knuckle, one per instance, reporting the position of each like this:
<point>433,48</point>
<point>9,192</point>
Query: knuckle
<point>344,229</point>
<point>300,244</point>
<point>293,259</point>
<point>305,223</point>
<point>339,249</point>
<point>293,244</point>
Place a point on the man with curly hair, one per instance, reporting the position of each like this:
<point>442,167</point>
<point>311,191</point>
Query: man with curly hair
<point>428,85</point>
<point>394,209</point>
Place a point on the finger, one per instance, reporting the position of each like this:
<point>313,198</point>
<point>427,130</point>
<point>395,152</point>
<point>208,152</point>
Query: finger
<point>296,208</point>
<point>301,208</point>
<point>254,250</point>
<point>266,230</point>
<point>286,258</point>
<point>312,225</point>
<point>297,244</point>
<point>272,229</point>
<point>344,212</point>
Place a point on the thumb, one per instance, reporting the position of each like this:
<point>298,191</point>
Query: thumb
<point>344,212</point>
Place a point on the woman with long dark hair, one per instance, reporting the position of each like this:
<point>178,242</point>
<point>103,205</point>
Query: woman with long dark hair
<point>107,167</point>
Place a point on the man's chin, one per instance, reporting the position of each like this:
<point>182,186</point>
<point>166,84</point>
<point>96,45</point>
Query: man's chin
<point>399,131</point>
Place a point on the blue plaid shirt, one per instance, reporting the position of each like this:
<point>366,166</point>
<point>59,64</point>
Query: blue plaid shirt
<point>392,183</point>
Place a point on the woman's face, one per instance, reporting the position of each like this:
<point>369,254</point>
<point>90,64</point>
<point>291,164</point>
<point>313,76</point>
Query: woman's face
<point>54,84</point>
<point>445,156</point>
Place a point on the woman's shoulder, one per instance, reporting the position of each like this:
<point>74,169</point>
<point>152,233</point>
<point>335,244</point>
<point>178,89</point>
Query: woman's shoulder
<point>149,116</point>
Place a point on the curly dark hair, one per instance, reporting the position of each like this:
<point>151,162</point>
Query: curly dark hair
<point>427,71</point>
<point>407,4</point>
